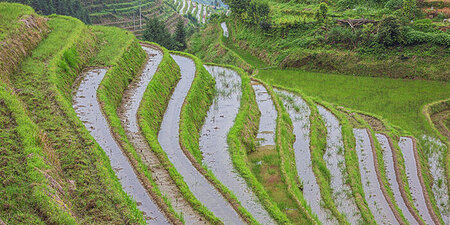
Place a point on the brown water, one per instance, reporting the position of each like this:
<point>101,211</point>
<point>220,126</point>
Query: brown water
<point>128,115</point>
<point>390,173</point>
<point>169,139</point>
<point>406,145</point>
<point>374,196</point>
<point>334,158</point>
<point>299,112</point>
<point>213,140</point>
<point>88,110</point>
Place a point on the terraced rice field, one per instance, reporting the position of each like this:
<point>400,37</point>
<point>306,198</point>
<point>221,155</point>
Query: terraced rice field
<point>181,142</point>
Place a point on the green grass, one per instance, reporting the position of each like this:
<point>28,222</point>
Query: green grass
<point>9,17</point>
<point>45,81</point>
<point>151,113</point>
<point>193,114</point>
<point>399,101</point>
<point>125,57</point>
<point>28,195</point>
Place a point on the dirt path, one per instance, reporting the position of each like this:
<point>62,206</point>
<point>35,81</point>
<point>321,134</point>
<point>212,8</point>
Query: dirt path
<point>415,180</point>
<point>381,209</point>
<point>128,114</point>
<point>213,140</point>
<point>88,110</point>
<point>169,139</point>
<point>393,178</point>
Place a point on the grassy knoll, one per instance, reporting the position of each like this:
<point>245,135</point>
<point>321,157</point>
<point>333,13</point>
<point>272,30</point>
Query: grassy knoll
<point>151,114</point>
<point>43,84</point>
<point>193,114</point>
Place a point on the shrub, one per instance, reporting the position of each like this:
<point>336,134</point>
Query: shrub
<point>393,4</point>
<point>424,25</point>
<point>390,31</point>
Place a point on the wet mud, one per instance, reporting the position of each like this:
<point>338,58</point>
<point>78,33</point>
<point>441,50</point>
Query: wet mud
<point>128,115</point>
<point>169,139</point>
<point>374,196</point>
<point>299,112</point>
<point>334,158</point>
<point>89,111</point>
<point>392,177</point>
<point>213,140</point>
<point>406,144</point>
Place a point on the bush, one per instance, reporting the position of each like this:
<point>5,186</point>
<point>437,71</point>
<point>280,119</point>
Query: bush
<point>412,37</point>
<point>393,4</point>
<point>345,4</point>
<point>390,31</point>
<point>424,25</point>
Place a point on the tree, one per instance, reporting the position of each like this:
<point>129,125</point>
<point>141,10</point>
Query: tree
<point>156,31</point>
<point>180,36</point>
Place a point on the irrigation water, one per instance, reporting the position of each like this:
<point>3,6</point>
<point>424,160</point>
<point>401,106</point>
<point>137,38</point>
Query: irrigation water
<point>213,140</point>
<point>128,114</point>
<point>334,158</point>
<point>407,146</point>
<point>169,139</point>
<point>392,177</point>
<point>88,110</point>
<point>374,196</point>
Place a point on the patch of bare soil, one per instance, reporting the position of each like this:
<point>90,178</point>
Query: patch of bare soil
<point>375,123</point>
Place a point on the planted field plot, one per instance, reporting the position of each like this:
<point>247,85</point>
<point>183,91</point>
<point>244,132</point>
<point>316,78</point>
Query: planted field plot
<point>89,111</point>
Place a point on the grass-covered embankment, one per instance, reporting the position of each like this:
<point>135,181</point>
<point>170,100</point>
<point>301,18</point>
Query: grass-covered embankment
<point>43,84</point>
<point>193,114</point>
<point>29,180</point>
<point>126,58</point>
<point>21,30</point>
<point>209,46</point>
<point>151,114</point>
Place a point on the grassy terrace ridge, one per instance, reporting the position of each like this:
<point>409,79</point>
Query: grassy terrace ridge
<point>351,158</point>
<point>27,169</point>
<point>125,57</point>
<point>21,30</point>
<point>318,145</point>
<point>242,139</point>
<point>150,115</point>
<point>43,84</point>
<point>193,114</point>
<point>209,46</point>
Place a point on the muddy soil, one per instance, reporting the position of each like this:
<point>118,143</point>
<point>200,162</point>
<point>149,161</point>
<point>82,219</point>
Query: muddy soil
<point>299,112</point>
<point>88,110</point>
<point>334,158</point>
<point>406,144</point>
<point>169,139</point>
<point>128,115</point>
<point>392,178</point>
<point>374,196</point>
<point>213,140</point>
<point>225,29</point>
